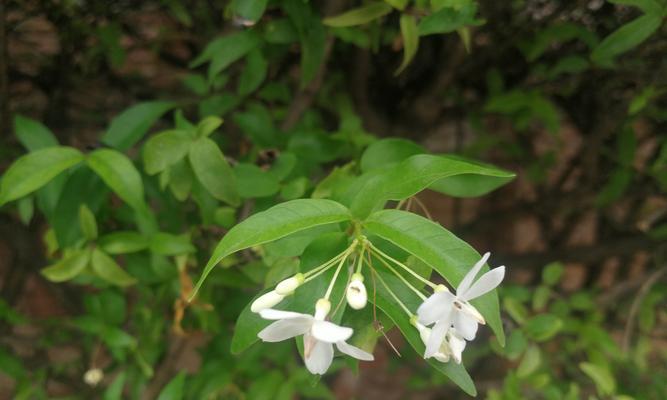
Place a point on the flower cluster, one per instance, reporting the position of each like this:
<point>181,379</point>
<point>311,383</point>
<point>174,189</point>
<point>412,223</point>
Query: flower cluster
<point>446,321</point>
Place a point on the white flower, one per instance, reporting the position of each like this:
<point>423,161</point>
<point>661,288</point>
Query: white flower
<point>452,345</point>
<point>318,335</point>
<point>93,376</point>
<point>446,309</point>
<point>356,292</point>
<point>267,300</point>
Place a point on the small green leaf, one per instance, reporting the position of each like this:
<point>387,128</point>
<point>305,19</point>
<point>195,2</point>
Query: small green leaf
<point>115,390</point>
<point>625,38</point>
<point>174,389</point>
<point>34,170</point>
<point>450,256</point>
<point>359,16</point>
<point>530,362</point>
<point>295,188</point>
<point>603,378</point>
<point>275,223</point>
<point>543,327</point>
<point>208,125</point>
<point>171,245</point>
<point>253,182</point>
<point>250,10</point>
<point>118,172</point>
<point>552,273</point>
<point>213,171</point>
<point>254,72</point>
<point>67,268</point>
<point>410,40</point>
<point>225,50</point>
<point>180,180</point>
<point>313,45</point>
<point>165,149</point>
<point>106,268</point>
<point>32,134</point>
<point>123,242</point>
<point>618,183</point>
<point>87,222</point>
<point>26,208</point>
<point>132,124</point>
<point>447,19</point>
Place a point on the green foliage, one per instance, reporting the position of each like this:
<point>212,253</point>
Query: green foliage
<point>171,196</point>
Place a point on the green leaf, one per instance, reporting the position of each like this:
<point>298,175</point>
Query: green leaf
<point>123,242</point>
<point>171,245</point>
<point>34,170</point>
<point>115,390</point>
<point>32,134</point>
<point>603,378</point>
<point>388,151</point>
<point>420,171</point>
<point>625,38</point>
<point>313,45</point>
<point>617,185</point>
<point>180,180</point>
<point>225,50</point>
<point>174,389</point>
<point>106,268</point>
<point>26,209</point>
<point>67,268</point>
<point>359,16</point>
<point>87,222</point>
<point>647,6</point>
<point>254,72</point>
<point>213,171</point>
<point>118,172</point>
<point>530,362</point>
<point>208,125</point>
<point>447,19</point>
<point>543,327</point>
<point>250,10</point>
<point>253,182</point>
<point>165,149</point>
<point>132,124</point>
<point>275,223</point>
<point>410,40</point>
<point>552,273</point>
<point>450,256</point>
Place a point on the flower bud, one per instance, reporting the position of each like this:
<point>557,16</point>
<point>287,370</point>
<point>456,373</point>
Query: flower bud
<point>267,300</point>
<point>440,288</point>
<point>356,292</point>
<point>93,376</point>
<point>322,308</point>
<point>287,286</point>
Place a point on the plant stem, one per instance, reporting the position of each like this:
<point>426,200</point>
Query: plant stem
<point>400,303</point>
<point>333,280</point>
<point>402,278</point>
<point>400,264</point>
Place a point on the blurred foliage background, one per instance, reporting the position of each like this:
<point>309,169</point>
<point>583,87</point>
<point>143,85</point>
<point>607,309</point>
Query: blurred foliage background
<point>568,94</point>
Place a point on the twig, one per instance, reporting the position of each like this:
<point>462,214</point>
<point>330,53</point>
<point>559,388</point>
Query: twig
<point>634,309</point>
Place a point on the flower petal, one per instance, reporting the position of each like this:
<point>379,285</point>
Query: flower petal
<point>285,329</point>
<point>319,358</point>
<point>329,332</point>
<point>484,284</point>
<point>470,276</point>
<point>456,345</point>
<point>437,336</point>
<point>270,313</point>
<point>354,351</point>
<point>435,307</point>
<point>465,325</point>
